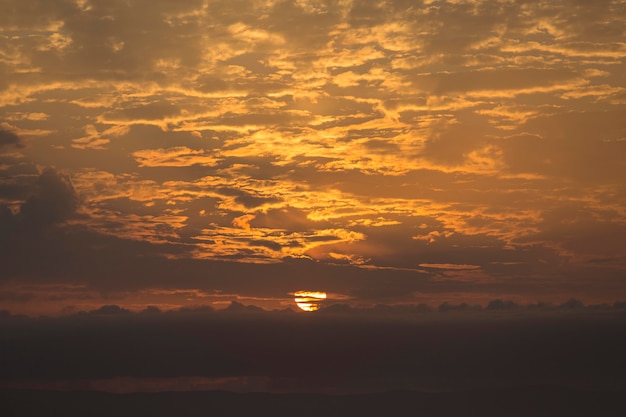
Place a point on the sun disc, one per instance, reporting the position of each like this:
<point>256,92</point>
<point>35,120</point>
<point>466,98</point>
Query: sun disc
<point>309,300</point>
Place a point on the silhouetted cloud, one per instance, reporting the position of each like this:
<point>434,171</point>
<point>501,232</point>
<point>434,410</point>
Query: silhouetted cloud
<point>110,310</point>
<point>501,305</point>
<point>8,138</point>
<point>333,352</point>
<point>8,223</point>
<point>53,200</point>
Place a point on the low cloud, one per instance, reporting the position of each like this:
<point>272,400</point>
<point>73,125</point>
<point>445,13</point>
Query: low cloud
<point>335,351</point>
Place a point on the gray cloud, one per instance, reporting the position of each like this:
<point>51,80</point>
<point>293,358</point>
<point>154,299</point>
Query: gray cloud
<point>407,351</point>
<point>9,139</point>
<point>574,145</point>
<point>50,200</point>
<point>54,200</point>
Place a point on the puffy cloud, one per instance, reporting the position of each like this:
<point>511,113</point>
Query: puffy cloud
<point>53,201</point>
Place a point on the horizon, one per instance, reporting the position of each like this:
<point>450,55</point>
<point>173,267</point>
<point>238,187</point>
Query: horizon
<point>336,350</point>
<point>497,305</point>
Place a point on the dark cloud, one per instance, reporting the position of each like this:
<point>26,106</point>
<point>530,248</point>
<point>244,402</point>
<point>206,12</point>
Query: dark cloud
<point>251,201</point>
<point>573,145</point>
<point>267,244</point>
<point>333,351</point>
<point>487,402</point>
<point>501,305</point>
<point>54,200</point>
<point>110,310</point>
<point>580,235</point>
<point>8,222</point>
<point>8,139</point>
<point>50,200</point>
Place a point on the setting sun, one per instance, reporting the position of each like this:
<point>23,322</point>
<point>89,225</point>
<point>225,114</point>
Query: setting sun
<point>309,300</point>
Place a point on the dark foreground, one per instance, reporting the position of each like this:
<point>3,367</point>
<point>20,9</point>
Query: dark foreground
<point>519,402</point>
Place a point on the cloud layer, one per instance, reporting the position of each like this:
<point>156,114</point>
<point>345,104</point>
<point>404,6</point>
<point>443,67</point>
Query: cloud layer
<point>386,151</point>
<point>337,352</point>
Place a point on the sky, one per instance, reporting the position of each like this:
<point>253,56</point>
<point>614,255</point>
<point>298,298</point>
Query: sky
<point>200,152</point>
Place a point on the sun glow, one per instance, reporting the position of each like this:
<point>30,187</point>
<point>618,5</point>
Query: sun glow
<point>309,300</point>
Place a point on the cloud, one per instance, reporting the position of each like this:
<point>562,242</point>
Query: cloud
<point>179,156</point>
<point>405,351</point>
<point>371,138</point>
<point>449,266</point>
<point>494,82</point>
<point>9,139</point>
<point>8,222</point>
<point>54,201</point>
<point>243,222</point>
<point>110,310</point>
<point>49,200</point>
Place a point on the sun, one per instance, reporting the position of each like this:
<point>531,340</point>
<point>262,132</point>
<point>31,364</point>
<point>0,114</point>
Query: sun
<point>309,300</point>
